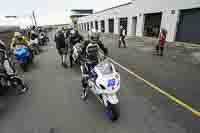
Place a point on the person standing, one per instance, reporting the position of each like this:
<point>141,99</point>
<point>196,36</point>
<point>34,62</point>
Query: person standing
<point>74,38</point>
<point>161,42</point>
<point>122,36</point>
<point>61,46</point>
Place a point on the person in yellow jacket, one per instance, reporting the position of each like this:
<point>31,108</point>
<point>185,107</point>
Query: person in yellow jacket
<point>18,39</point>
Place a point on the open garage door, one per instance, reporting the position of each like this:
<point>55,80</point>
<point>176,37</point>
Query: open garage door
<point>124,23</point>
<point>96,25</point>
<point>111,25</point>
<point>152,24</point>
<point>189,26</point>
<point>88,26</point>
<point>102,26</point>
<point>92,26</point>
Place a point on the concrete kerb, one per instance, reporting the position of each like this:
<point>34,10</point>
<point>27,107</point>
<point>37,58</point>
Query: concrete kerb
<point>152,41</point>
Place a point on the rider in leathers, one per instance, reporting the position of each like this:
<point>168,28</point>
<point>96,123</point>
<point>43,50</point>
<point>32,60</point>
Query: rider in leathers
<point>90,52</point>
<point>73,39</point>
<point>5,64</point>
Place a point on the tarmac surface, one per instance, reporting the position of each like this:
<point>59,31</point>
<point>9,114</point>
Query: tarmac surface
<point>53,105</point>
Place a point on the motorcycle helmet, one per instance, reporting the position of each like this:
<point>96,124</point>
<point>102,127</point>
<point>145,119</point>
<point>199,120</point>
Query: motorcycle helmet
<point>73,33</point>
<point>59,29</point>
<point>94,35</point>
<point>33,27</point>
<point>40,30</point>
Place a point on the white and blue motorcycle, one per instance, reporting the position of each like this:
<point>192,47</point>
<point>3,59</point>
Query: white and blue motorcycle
<point>105,87</point>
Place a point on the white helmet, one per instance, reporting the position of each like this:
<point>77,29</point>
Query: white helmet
<point>17,34</point>
<point>94,35</point>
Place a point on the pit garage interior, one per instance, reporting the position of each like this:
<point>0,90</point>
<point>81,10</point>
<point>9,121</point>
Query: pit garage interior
<point>96,25</point>
<point>92,26</point>
<point>124,22</point>
<point>111,25</point>
<point>188,28</point>
<point>152,24</point>
<point>102,26</point>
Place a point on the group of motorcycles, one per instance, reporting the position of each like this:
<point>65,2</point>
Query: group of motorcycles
<point>107,84</point>
<point>25,55</point>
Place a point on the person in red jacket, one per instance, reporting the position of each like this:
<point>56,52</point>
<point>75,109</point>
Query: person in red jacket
<point>161,44</point>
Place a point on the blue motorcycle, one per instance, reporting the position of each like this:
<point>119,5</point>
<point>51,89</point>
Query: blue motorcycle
<point>23,57</point>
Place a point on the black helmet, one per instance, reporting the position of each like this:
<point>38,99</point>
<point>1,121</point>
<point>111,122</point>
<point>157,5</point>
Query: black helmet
<point>33,27</point>
<point>73,33</point>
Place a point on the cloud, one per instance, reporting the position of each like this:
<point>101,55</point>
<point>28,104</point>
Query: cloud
<point>53,18</point>
<point>50,11</point>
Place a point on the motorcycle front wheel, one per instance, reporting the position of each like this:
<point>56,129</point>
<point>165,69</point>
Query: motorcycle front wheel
<point>24,67</point>
<point>113,112</point>
<point>18,85</point>
<point>3,85</point>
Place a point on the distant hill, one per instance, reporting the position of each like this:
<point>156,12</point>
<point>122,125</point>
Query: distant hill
<point>8,28</point>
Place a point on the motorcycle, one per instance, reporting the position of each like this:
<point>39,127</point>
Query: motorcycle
<point>8,78</point>
<point>24,56</point>
<point>105,86</point>
<point>42,40</point>
<point>47,39</point>
<point>34,45</point>
<point>11,82</point>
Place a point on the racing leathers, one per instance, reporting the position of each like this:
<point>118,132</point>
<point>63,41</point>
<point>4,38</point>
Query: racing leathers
<point>90,55</point>
<point>7,69</point>
<point>61,46</point>
<point>73,40</point>
<point>4,60</point>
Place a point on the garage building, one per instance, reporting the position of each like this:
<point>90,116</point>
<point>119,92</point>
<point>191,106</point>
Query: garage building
<point>147,17</point>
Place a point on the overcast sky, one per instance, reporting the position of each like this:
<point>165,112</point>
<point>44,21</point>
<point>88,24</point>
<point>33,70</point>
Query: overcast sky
<point>49,11</point>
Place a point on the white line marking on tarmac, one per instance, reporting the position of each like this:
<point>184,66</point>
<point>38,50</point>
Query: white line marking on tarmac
<point>173,98</point>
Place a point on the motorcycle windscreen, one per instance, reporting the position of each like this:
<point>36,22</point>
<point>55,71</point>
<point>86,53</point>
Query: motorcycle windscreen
<point>105,68</point>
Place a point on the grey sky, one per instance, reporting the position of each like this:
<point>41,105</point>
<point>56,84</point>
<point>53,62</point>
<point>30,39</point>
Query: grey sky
<point>52,11</point>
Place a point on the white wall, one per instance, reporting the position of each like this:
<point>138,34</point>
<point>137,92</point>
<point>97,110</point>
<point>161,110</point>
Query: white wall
<point>139,8</point>
<point>169,22</point>
<point>116,25</point>
<point>106,25</point>
<point>140,25</point>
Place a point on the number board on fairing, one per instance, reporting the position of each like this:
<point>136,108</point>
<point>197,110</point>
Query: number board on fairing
<point>111,83</point>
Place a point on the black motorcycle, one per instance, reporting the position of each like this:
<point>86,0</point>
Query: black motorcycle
<point>11,82</point>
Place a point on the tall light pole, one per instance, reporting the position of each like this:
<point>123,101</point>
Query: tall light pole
<point>34,19</point>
